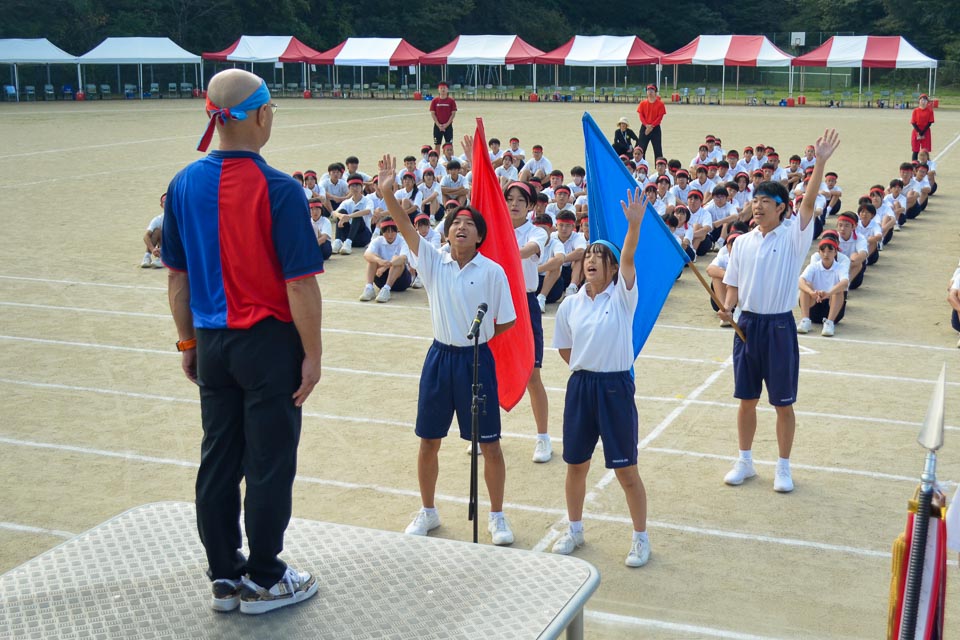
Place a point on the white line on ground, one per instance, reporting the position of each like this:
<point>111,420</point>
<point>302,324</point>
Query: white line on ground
<point>947,148</point>
<point>413,493</point>
<point>23,528</point>
<point>662,625</point>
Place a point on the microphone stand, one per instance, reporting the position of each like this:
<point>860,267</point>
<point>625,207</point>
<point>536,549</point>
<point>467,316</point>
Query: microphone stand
<point>477,403</point>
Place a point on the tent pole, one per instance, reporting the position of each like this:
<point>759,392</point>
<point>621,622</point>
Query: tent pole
<point>140,80</point>
<point>594,84</point>
<point>16,79</point>
<point>361,83</point>
<point>79,80</point>
<point>860,90</point>
<point>534,77</point>
<point>419,69</point>
<point>119,87</point>
<point>674,77</point>
<point>723,81</point>
<point>790,75</point>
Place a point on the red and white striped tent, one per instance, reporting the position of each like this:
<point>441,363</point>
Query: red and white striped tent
<point>486,50</point>
<point>604,51</point>
<point>371,52</point>
<point>267,49</point>
<point>731,51</point>
<point>869,52</point>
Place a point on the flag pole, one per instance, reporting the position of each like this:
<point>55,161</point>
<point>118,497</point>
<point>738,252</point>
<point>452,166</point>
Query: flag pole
<point>716,300</point>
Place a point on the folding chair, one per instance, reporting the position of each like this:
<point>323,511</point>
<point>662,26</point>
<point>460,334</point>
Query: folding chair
<point>172,90</point>
<point>48,93</point>
<point>186,89</point>
<point>30,93</point>
<point>91,90</point>
<point>67,91</point>
<point>105,91</point>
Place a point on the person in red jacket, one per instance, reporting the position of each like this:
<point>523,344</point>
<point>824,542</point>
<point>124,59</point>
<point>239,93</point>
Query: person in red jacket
<point>651,113</point>
<point>921,120</point>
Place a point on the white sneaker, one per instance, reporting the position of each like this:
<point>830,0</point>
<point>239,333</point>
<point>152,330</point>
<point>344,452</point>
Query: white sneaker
<point>368,293</point>
<point>783,481</point>
<point>742,469</point>
<point>423,523</point>
<point>828,328</point>
<point>639,554</point>
<point>542,301</point>
<point>958,344</point>
<point>226,594</point>
<point>571,290</point>
<point>293,587</point>
<point>804,325</point>
<point>500,531</point>
<point>147,259</point>
<point>156,263</point>
<point>347,248</point>
<point>568,542</point>
<point>384,295</point>
<point>724,323</point>
<point>337,245</point>
<point>417,283</point>
<point>897,227</point>
<point>543,450</point>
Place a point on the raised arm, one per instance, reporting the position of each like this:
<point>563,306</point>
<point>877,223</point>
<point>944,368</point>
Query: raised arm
<point>634,211</point>
<point>388,172</point>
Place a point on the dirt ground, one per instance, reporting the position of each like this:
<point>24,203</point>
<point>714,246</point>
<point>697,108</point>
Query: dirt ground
<point>96,416</point>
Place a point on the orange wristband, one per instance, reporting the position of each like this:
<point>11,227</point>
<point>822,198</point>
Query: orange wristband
<point>186,345</point>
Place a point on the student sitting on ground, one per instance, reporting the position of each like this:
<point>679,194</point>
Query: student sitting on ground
<point>914,196</point>
<point>823,290</point>
<point>885,217</point>
<point>386,263</point>
<point>574,245</point>
<point>507,172</point>
<point>869,229</point>
<point>410,166</point>
<point>353,218</point>
<point>550,288</point>
<point>453,185</point>
<point>431,194</point>
<point>151,239</point>
<point>409,195</point>
<point>428,233</point>
<point>556,180</point>
<point>322,228</point>
<point>722,213</point>
<point>702,223</point>
<point>333,187</point>
<point>562,203</point>
<point>898,202</point>
<point>924,158</point>
<point>537,166</point>
<point>684,230</point>
<point>852,246</point>
<point>578,186</point>
<point>953,298</point>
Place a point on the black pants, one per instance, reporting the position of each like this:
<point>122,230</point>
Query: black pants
<point>357,232</point>
<point>654,138</point>
<point>858,279</point>
<point>251,430</point>
<point>821,311</point>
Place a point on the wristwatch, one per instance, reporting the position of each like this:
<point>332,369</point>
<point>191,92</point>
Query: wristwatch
<point>186,345</point>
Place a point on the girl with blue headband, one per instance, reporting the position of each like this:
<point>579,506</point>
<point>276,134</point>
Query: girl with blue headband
<point>594,334</point>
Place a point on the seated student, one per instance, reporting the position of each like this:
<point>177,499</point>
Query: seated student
<point>650,191</point>
<point>703,184</point>
<point>353,163</point>
<point>779,173</point>
<point>424,156</point>
<point>410,166</point>
<point>574,245</point>
<point>723,172</point>
<point>496,154</point>
<point>551,286</point>
<point>699,159</point>
<point>433,162</point>
<point>333,185</point>
<point>683,231</point>
<point>540,206</point>
<point>681,189</point>
<point>809,158</point>
<point>717,269</point>
<point>556,180</point>
<point>794,171</point>
<point>702,223</point>
<point>428,233</point>
<point>714,152</point>
<point>953,298</point>
<point>446,154</point>
<point>451,205</point>
<point>852,246</point>
<point>151,239</point>
<point>409,195</point>
<point>298,176</point>
<point>506,171</point>
<point>537,166</point>
<point>638,159</point>
<point>639,173</point>
<point>910,190</point>
<point>386,263</point>
<point>353,218</point>
<point>723,214</point>
<point>663,194</point>
<point>580,205</point>
<point>924,158</point>
<point>578,186</point>
<point>897,201</point>
<point>660,169</point>
<point>322,228</point>
<point>562,196</point>
<point>431,195</point>
<point>885,217</point>
<point>673,166</point>
<point>869,229</point>
<point>832,193</point>
<point>519,155</point>
<point>823,290</point>
<point>922,180</point>
<point>453,185</point>
<point>744,195</point>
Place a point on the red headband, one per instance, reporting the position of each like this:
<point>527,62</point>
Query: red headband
<point>852,217</point>
<point>420,218</point>
<point>831,242</point>
<point>389,223</point>
<point>355,181</point>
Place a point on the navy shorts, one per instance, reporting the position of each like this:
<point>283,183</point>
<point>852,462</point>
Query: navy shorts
<point>555,293</point>
<point>770,356</point>
<point>445,389</point>
<point>600,406</point>
<point>400,284</point>
<point>536,323</point>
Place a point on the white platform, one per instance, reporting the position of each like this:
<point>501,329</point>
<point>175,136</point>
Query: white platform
<point>141,575</point>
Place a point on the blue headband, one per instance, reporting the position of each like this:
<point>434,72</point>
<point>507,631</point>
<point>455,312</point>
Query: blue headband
<point>255,100</point>
<point>768,193</point>
<point>611,246</point>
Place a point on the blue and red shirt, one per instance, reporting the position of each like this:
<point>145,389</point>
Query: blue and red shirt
<point>242,231</point>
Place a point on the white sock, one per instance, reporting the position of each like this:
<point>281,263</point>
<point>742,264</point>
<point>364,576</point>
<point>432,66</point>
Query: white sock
<point>640,536</point>
<point>540,296</point>
<point>543,436</point>
<point>369,286</point>
<point>495,514</point>
<point>385,287</point>
<point>576,526</point>
<point>746,455</point>
<point>783,464</point>
<point>148,255</point>
<point>430,511</point>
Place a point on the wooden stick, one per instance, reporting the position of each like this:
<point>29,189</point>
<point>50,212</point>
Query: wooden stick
<point>716,300</point>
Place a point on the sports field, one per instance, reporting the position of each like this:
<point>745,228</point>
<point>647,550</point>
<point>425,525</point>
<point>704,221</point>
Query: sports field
<point>96,416</point>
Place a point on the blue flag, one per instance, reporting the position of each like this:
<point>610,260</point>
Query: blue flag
<point>659,257</point>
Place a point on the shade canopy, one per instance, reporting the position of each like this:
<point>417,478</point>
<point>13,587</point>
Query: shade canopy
<point>138,51</point>
<point>884,52</point>
<point>33,51</point>
<point>371,52</point>
<point>603,51</point>
<point>486,49</point>
<point>264,49</point>
<point>730,51</point>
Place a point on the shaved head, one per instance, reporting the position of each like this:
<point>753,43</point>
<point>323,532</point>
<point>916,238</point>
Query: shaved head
<point>231,87</point>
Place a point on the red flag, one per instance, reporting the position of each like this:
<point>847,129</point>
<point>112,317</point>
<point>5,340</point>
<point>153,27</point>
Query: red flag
<point>513,349</point>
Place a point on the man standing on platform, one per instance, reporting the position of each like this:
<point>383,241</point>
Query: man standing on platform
<point>443,109</point>
<point>242,257</point>
<point>651,113</point>
<point>763,278</point>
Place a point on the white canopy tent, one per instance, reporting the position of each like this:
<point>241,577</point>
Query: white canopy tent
<point>17,51</point>
<point>139,51</point>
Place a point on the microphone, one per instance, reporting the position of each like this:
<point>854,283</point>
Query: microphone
<point>475,327</point>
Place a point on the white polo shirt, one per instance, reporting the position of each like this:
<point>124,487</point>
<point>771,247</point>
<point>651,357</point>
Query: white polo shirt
<point>855,244</point>
<point>701,217</point>
<point>680,194</point>
<point>598,331</point>
<point>574,242</point>
<point>388,251</point>
<point>722,258</point>
<point>872,229</point>
<point>553,248</point>
<point>156,223</point>
<point>339,190</point>
<point>349,206</point>
<point>552,210</point>
<point>823,279</point>
<point>719,213</point>
<point>433,237</point>
<point>525,234</point>
<point>684,232</point>
<point>510,174</point>
<point>533,165</point>
<point>322,226</point>
<point>766,268</point>
<point>416,199</point>
<point>455,294</point>
<point>955,280</point>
